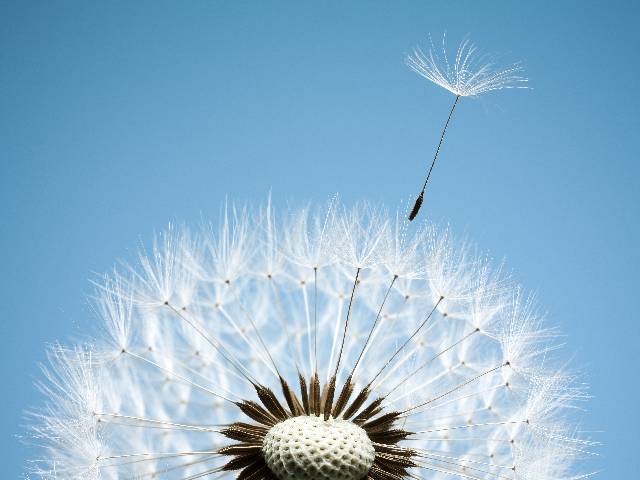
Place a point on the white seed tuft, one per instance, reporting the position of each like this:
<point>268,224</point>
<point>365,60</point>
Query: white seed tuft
<point>467,73</point>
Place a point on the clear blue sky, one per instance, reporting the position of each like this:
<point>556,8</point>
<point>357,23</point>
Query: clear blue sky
<point>116,117</point>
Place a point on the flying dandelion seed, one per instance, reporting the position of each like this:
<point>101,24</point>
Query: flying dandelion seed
<point>468,74</point>
<point>327,345</point>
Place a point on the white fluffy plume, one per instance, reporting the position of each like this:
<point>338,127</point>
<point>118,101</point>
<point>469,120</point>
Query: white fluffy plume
<point>468,73</point>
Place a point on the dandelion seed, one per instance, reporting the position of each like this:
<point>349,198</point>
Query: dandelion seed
<point>469,74</point>
<point>329,345</point>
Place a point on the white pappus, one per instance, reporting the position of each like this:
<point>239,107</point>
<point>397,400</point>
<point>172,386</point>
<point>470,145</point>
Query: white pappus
<point>437,362</point>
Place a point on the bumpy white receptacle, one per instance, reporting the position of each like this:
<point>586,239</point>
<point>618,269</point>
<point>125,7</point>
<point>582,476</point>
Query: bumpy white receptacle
<point>310,448</point>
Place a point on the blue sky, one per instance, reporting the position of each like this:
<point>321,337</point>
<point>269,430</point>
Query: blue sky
<point>117,117</point>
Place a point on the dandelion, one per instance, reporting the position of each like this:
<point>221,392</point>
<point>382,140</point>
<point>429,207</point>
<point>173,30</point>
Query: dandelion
<point>468,74</point>
<point>327,344</point>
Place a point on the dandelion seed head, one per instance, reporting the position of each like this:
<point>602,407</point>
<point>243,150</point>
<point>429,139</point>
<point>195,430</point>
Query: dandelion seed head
<point>319,343</point>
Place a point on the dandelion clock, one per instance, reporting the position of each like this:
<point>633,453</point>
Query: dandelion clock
<point>331,342</point>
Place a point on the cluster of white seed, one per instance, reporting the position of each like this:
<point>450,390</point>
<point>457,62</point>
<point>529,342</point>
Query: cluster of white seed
<point>203,312</point>
<point>310,448</point>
